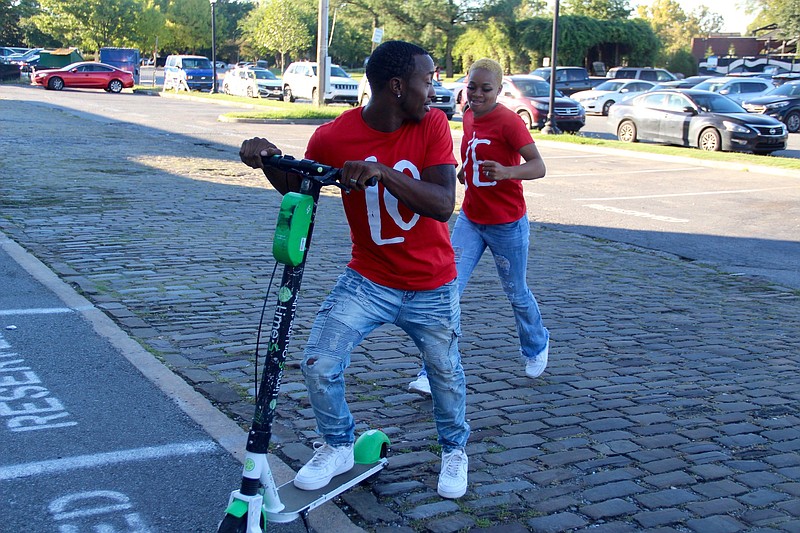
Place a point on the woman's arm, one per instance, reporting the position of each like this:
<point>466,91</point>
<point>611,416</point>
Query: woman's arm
<point>533,167</point>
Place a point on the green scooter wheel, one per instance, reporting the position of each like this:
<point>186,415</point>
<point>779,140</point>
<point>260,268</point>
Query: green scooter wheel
<point>371,447</point>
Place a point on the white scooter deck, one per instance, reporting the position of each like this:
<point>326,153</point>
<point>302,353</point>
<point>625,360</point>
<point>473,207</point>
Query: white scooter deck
<point>297,502</point>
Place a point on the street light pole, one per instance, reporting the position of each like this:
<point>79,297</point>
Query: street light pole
<point>550,127</point>
<point>214,46</point>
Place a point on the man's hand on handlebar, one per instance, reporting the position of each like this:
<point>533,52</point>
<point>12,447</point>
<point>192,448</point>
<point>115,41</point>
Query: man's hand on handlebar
<point>359,175</point>
<point>252,149</point>
<point>283,172</point>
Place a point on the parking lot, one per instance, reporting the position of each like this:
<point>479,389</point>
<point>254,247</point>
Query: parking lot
<point>670,401</point>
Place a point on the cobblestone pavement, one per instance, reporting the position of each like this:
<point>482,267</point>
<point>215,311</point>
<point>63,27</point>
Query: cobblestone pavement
<point>670,403</point>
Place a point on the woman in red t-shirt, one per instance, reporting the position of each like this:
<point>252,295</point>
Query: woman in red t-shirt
<point>494,213</point>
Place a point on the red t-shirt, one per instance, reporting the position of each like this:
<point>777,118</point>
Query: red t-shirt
<point>496,136</point>
<point>392,245</point>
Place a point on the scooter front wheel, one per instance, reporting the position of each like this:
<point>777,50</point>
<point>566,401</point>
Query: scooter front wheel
<point>233,524</point>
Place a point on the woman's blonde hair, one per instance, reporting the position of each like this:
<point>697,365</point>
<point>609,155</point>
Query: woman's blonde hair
<point>491,65</point>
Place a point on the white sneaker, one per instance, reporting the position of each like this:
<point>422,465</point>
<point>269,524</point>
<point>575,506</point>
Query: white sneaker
<point>421,384</point>
<point>328,461</point>
<point>536,365</point>
<point>453,477</point>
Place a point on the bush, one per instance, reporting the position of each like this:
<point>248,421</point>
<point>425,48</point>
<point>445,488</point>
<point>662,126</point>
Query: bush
<point>682,61</point>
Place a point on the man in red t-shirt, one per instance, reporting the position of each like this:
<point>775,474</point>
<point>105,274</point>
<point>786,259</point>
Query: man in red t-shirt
<point>402,269</point>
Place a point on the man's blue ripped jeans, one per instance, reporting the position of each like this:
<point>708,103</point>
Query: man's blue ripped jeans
<point>357,306</point>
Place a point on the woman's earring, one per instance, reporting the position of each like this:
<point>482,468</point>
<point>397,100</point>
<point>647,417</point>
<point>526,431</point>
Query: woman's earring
<point>398,95</point>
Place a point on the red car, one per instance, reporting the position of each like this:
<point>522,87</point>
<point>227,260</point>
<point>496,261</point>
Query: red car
<point>85,74</point>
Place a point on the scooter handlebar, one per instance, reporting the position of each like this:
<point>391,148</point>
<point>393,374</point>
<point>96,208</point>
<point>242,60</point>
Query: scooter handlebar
<point>324,174</point>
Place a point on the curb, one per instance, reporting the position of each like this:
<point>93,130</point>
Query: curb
<point>221,428</point>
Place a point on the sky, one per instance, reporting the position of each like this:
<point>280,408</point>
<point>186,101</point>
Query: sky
<point>736,20</point>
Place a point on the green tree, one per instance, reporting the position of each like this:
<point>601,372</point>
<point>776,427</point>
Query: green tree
<point>150,28</point>
<point>11,13</point>
<point>260,25</point>
<point>88,24</point>
<point>349,36</point>
<point>599,9</point>
<point>675,29</point>
<point>503,30</point>
<point>188,26</point>
<point>433,24</point>
<point>633,39</point>
<point>490,41</point>
<point>783,13</point>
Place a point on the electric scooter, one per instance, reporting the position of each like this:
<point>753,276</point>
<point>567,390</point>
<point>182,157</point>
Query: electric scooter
<point>259,501</point>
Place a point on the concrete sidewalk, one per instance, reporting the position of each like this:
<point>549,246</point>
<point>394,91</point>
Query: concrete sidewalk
<point>670,403</point>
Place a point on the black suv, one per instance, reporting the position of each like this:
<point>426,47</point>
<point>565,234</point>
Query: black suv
<point>782,103</point>
<point>569,79</point>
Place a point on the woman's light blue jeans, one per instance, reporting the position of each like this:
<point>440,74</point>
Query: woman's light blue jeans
<point>354,308</point>
<point>509,245</point>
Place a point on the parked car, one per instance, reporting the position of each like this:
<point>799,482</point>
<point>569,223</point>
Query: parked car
<point>457,87</point>
<point>685,83</point>
<point>780,79</point>
<point>85,74</point>
<point>6,51</point>
<point>196,72</point>
<point>782,103</point>
<point>695,118</point>
<point>300,81</point>
<point>529,97</point>
<point>600,99</point>
<point>252,82</point>
<point>736,88</point>
<point>444,98</point>
<point>26,58</point>
<point>569,80</point>
<point>655,75</point>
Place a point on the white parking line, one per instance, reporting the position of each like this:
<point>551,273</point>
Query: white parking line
<point>592,156</point>
<point>619,172</point>
<point>56,466</point>
<point>640,214</point>
<point>674,195</point>
<point>43,311</point>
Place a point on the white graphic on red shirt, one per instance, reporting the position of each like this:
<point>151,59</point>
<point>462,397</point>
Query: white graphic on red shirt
<point>390,204</point>
<point>472,146</point>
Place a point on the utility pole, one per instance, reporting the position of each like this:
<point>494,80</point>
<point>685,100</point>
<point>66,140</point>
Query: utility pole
<point>322,53</point>
<point>550,127</point>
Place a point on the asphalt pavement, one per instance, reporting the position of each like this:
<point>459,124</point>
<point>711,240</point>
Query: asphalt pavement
<point>670,402</point>
<point>98,435</point>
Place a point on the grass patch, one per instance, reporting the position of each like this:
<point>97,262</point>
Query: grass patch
<point>267,109</point>
<point>298,111</point>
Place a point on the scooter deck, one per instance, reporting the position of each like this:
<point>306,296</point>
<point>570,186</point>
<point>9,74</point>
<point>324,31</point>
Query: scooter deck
<point>298,501</point>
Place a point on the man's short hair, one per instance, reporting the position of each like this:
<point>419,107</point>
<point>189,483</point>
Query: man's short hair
<point>389,60</point>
